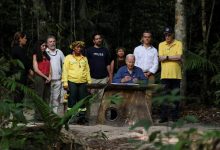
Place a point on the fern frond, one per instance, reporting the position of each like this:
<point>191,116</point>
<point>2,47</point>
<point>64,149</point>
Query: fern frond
<point>194,61</point>
<point>50,118</point>
<point>74,110</point>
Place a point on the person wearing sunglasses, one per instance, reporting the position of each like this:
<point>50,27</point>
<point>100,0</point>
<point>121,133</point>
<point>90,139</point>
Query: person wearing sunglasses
<point>170,56</point>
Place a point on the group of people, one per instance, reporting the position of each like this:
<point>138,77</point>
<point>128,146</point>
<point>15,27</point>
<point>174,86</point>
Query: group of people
<point>54,73</point>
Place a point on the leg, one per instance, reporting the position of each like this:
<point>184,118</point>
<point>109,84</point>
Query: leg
<point>19,94</point>
<point>47,90</point>
<point>83,92</point>
<point>73,94</point>
<point>56,87</point>
<point>175,111</point>
<point>164,114</point>
<point>39,86</point>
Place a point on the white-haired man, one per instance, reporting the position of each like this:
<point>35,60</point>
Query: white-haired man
<point>129,73</point>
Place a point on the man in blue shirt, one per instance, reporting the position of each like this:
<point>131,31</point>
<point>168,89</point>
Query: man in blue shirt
<point>129,73</point>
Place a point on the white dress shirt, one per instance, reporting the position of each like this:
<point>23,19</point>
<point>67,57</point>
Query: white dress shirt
<point>146,58</point>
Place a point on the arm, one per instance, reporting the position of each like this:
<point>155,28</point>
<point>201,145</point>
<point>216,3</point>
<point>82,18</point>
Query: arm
<point>154,68</point>
<point>118,77</point>
<point>136,57</point>
<point>89,80</point>
<point>175,58</point>
<point>108,62</point>
<point>179,52</point>
<point>65,73</point>
<point>121,77</point>
<point>62,56</point>
<point>162,58</point>
<point>35,66</point>
<point>161,54</point>
<point>109,73</point>
<point>141,76</point>
<point>112,68</point>
<point>49,77</point>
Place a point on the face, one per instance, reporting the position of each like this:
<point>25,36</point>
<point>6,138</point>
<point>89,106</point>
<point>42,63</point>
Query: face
<point>77,49</point>
<point>43,47</point>
<point>169,37</point>
<point>120,53</point>
<point>146,38</point>
<point>97,40</point>
<point>51,43</point>
<point>130,62</point>
<point>23,41</point>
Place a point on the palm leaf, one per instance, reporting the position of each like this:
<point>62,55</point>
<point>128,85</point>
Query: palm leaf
<point>49,117</point>
<point>74,110</point>
<point>194,61</point>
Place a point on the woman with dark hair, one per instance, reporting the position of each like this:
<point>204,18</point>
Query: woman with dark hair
<point>42,69</point>
<point>119,61</point>
<point>19,52</point>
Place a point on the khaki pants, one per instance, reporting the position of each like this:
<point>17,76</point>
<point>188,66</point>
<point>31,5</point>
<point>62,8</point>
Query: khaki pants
<point>57,95</point>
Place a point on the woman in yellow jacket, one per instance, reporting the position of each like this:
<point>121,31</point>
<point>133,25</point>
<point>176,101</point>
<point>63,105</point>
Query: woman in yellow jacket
<point>76,74</point>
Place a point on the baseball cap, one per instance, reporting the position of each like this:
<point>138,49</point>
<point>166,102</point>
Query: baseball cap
<point>168,30</point>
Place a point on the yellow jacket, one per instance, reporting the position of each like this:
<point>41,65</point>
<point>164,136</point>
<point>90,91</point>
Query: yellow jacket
<point>76,69</point>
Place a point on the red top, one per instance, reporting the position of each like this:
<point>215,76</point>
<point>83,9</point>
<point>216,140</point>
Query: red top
<point>44,66</point>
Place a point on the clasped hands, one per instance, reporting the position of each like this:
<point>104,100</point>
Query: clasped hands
<point>129,78</point>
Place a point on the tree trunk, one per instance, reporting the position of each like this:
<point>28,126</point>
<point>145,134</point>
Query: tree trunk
<point>38,24</point>
<point>205,34</point>
<point>60,24</point>
<point>180,34</point>
<point>73,20</point>
<point>21,16</point>
<point>83,17</point>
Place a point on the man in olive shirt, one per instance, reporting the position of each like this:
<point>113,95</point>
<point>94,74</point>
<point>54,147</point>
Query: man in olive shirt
<point>170,55</point>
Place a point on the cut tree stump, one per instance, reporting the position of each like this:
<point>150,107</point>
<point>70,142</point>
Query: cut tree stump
<point>135,105</point>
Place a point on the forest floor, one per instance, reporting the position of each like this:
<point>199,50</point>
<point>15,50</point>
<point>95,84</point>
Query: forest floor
<point>205,114</point>
<point>113,138</point>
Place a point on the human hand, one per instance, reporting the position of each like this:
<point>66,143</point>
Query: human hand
<point>48,79</point>
<point>127,78</point>
<point>31,72</point>
<point>163,58</point>
<point>147,74</point>
<point>66,87</point>
<point>135,80</point>
<point>110,79</point>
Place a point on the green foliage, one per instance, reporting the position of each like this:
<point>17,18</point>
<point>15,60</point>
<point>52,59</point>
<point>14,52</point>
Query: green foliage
<point>167,98</point>
<point>11,114</point>
<point>194,61</point>
<point>116,99</point>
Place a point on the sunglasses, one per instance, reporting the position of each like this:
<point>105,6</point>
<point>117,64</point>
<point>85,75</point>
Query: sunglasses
<point>167,34</point>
